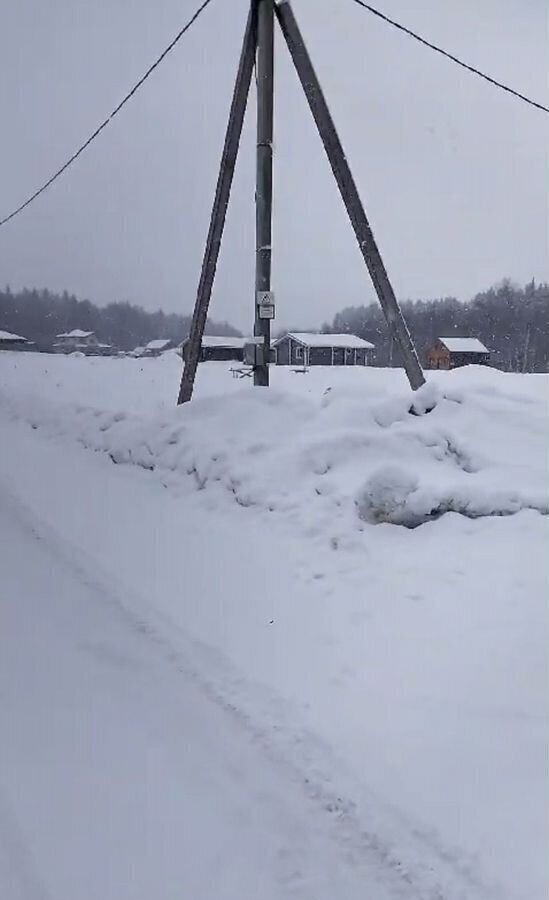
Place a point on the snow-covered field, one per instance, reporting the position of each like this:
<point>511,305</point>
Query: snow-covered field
<point>362,589</point>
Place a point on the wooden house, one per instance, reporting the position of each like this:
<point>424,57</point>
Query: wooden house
<point>451,353</point>
<point>304,349</point>
<point>82,342</point>
<point>221,348</point>
<point>9,341</point>
<point>75,340</point>
<point>156,347</point>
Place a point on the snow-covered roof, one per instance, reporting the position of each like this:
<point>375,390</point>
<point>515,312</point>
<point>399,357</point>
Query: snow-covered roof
<point>158,344</point>
<point>8,336</point>
<point>211,340</point>
<point>328,340</point>
<point>76,333</point>
<point>463,345</point>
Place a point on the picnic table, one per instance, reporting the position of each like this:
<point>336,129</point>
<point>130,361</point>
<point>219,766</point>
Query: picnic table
<point>242,372</point>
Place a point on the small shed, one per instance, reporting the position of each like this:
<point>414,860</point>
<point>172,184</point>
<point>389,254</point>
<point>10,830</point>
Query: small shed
<point>221,348</point>
<point>451,353</point>
<point>9,341</point>
<point>156,347</point>
<point>304,349</point>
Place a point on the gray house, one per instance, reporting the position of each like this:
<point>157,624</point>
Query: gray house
<point>303,349</point>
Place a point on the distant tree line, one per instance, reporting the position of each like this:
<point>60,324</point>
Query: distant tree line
<point>513,323</point>
<point>40,315</point>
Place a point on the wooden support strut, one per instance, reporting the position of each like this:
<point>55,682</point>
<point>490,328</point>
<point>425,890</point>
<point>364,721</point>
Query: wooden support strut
<point>219,209</point>
<point>259,37</point>
<point>348,190</point>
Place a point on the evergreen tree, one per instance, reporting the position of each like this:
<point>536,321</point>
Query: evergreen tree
<point>41,315</point>
<point>513,322</point>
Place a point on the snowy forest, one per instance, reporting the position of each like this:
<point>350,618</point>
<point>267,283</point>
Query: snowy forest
<point>40,314</point>
<point>510,320</point>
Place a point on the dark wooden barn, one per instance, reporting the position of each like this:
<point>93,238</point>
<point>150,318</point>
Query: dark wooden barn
<point>451,353</point>
<point>222,349</point>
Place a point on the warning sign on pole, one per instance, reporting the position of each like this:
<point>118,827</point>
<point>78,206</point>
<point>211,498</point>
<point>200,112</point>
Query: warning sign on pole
<point>265,304</point>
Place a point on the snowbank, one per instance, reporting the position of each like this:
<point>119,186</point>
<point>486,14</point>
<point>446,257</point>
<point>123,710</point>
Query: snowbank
<point>339,458</point>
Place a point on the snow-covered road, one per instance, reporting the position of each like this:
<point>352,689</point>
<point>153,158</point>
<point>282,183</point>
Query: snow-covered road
<point>217,680</point>
<point>120,778</point>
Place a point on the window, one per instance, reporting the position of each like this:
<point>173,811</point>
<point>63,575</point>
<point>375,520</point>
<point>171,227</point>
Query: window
<point>299,352</point>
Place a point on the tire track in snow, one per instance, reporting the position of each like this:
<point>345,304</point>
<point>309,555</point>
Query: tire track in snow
<point>413,864</point>
<point>18,877</point>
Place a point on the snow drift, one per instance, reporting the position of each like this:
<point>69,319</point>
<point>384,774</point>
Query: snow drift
<point>339,458</point>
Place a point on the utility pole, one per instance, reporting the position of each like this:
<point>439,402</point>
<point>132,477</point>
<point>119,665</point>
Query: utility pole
<point>348,190</point>
<point>258,44</point>
<point>219,210</point>
<point>264,186</point>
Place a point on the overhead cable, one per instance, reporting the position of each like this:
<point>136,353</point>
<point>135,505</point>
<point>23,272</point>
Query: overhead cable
<point>450,56</point>
<point>109,118</point>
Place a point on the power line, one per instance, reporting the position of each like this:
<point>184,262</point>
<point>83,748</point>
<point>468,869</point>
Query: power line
<point>180,34</point>
<point>109,118</point>
<point>454,59</point>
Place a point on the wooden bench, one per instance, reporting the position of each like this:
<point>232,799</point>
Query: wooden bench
<point>302,371</point>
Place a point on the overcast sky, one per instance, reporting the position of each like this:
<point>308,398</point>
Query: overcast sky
<point>453,172</point>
